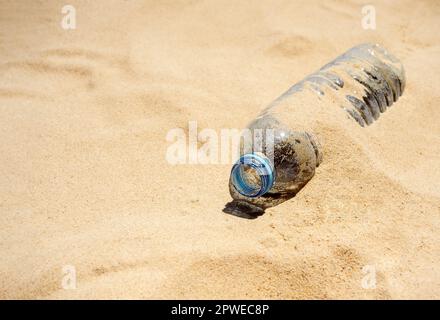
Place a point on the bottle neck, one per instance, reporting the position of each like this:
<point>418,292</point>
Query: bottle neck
<point>253,175</point>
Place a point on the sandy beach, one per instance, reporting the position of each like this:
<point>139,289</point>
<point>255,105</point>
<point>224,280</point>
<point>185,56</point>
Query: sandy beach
<point>86,191</point>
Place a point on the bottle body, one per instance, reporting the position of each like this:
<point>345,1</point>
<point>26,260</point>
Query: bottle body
<point>363,82</point>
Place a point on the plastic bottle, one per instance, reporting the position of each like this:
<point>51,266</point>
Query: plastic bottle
<point>364,81</point>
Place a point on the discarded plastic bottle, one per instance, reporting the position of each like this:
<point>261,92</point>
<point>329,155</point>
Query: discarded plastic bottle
<point>364,81</point>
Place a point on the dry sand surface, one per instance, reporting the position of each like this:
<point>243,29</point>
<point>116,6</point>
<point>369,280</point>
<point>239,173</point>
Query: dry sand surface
<point>84,181</point>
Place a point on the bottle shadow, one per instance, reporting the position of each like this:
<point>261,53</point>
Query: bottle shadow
<point>243,209</point>
<point>247,210</point>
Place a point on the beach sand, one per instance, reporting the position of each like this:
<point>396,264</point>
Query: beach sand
<point>85,184</point>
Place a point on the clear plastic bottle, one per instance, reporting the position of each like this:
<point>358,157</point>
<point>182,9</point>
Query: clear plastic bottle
<point>364,81</point>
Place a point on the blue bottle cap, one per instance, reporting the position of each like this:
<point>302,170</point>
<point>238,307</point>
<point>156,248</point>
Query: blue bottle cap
<point>263,169</point>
